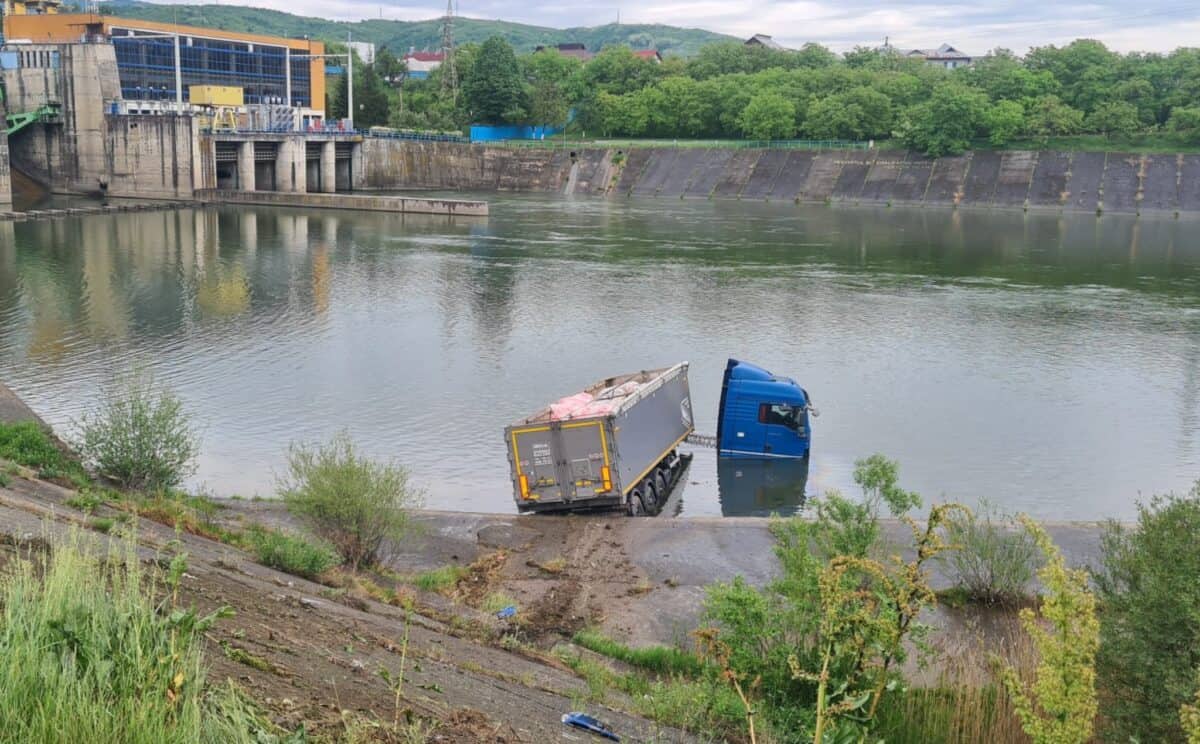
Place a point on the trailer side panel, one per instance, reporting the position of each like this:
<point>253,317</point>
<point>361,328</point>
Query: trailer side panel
<point>647,431</point>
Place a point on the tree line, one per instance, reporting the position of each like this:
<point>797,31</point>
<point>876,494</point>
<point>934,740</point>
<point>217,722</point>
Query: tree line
<point>730,90</point>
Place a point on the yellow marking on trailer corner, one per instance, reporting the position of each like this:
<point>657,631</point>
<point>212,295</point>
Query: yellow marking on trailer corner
<point>666,452</point>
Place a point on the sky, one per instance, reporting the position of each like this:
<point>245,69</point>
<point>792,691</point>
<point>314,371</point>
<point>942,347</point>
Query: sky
<point>975,28</point>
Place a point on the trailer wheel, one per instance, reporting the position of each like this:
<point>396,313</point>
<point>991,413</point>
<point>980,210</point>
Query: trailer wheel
<point>636,508</point>
<point>651,497</point>
<point>661,479</point>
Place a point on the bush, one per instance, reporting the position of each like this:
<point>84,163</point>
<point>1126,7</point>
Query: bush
<point>86,654</point>
<point>27,443</point>
<point>355,503</point>
<point>995,560</point>
<point>1059,707</point>
<point>291,554</point>
<point>1150,628</point>
<point>139,436</point>
<point>1189,716</point>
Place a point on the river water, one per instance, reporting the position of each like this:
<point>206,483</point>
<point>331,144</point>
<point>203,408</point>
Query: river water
<point>1046,363</point>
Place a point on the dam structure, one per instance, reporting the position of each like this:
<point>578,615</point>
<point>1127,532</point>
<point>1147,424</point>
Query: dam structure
<point>100,105</point>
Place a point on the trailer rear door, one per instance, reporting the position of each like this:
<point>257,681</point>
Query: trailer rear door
<point>561,461</point>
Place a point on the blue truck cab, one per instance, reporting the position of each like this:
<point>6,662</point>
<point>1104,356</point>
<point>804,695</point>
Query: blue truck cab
<point>762,416</point>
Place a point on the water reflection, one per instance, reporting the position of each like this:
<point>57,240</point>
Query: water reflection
<point>1046,361</point>
<point>760,488</point>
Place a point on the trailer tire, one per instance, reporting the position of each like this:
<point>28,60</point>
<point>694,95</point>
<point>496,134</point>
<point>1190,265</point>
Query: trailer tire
<point>662,479</point>
<point>636,507</point>
<point>650,496</point>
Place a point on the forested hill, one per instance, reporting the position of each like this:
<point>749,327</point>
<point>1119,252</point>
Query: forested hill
<point>400,35</point>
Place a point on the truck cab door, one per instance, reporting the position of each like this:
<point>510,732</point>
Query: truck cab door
<point>785,430</point>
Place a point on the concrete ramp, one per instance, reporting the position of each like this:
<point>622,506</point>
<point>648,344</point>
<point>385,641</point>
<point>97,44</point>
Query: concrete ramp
<point>1087,173</point>
<point>707,174</point>
<point>822,177</point>
<point>1122,182</point>
<point>595,167</point>
<point>737,172</point>
<point>766,170</point>
<point>913,180</point>
<point>881,178</point>
<point>947,180</point>
<point>635,162</point>
<point>1012,182</point>
<point>794,175</point>
<point>981,179</point>
<point>1189,183</point>
<point>1160,183</point>
<point>680,174</point>
<point>657,171</point>
<point>853,175</point>
<point>1049,185</point>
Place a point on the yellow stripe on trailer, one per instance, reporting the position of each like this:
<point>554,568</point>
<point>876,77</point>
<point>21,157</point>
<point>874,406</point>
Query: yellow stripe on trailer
<point>654,464</point>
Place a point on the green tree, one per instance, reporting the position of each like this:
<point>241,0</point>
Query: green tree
<point>1114,117</point>
<point>371,105</point>
<point>550,75</point>
<point>947,123</point>
<point>390,67</point>
<point>769,116</point>
<point>1004,121</point>
<point>1185,121</point>
<point>1050,117</point>
<point>1189,717</point>
<point>859,113</point>
<point>492,87</point>
<point>1150,627</point>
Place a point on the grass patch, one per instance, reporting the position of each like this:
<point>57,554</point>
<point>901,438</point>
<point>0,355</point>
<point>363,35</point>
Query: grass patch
<point>242,656</point>
<point>554,565</point>
<point>706,705</point>
<point>88,654</point>
<point>102,524</point>
<point>666,660</point>
<point>290,553</point>
<point>26,443</point>
<point>496,601</point>
<point>439,579</point>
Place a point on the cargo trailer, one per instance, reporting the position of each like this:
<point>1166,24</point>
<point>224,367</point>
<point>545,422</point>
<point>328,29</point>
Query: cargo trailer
<point>613,445</point>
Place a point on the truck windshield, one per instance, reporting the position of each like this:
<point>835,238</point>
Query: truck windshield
<point>780,414</point>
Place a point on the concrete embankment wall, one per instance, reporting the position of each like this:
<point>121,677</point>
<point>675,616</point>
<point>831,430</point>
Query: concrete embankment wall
<point>90,150</point>
<point>1084,181</point>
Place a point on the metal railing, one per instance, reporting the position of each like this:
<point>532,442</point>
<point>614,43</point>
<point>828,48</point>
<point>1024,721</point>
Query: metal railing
<point>724,144</point>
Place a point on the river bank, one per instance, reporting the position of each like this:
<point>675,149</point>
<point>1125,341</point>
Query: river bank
<point>1095,182</point>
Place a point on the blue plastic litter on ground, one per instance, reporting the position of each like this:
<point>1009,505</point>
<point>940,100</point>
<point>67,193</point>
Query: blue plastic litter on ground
<point>587,723</point>
<point>507,612</point>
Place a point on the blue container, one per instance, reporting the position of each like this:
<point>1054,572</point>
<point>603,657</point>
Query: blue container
<point>494,133</point>
<point>762,416</point>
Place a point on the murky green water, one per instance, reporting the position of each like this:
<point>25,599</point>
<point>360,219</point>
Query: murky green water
<point>1051,364</point>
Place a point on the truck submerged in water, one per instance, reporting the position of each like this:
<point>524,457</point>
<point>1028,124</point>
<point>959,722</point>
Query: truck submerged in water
<point>615,444</point>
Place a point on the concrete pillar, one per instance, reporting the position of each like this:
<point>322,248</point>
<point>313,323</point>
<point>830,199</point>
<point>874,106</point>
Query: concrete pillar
<point>358,167</point>
<point>245,166</point>
<point>291,172</point>
<point>328,167</point>
<point>5,175</point>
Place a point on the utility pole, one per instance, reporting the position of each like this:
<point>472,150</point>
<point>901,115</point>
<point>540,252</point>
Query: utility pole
<point>449,74</point>
<point>349,82</point>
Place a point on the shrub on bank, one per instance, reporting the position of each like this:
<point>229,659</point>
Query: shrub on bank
<point>1150,627</point>
<point>139,435</point>
<point>290,553</point>
<point>996,558</point>
<point>356,504</point>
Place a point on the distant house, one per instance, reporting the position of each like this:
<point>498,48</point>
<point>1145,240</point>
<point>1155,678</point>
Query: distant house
<point>763,40</point>
<point>420,64</point>
<point>571,49</point>
<point>944,56</point>
<point>650,54</point>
